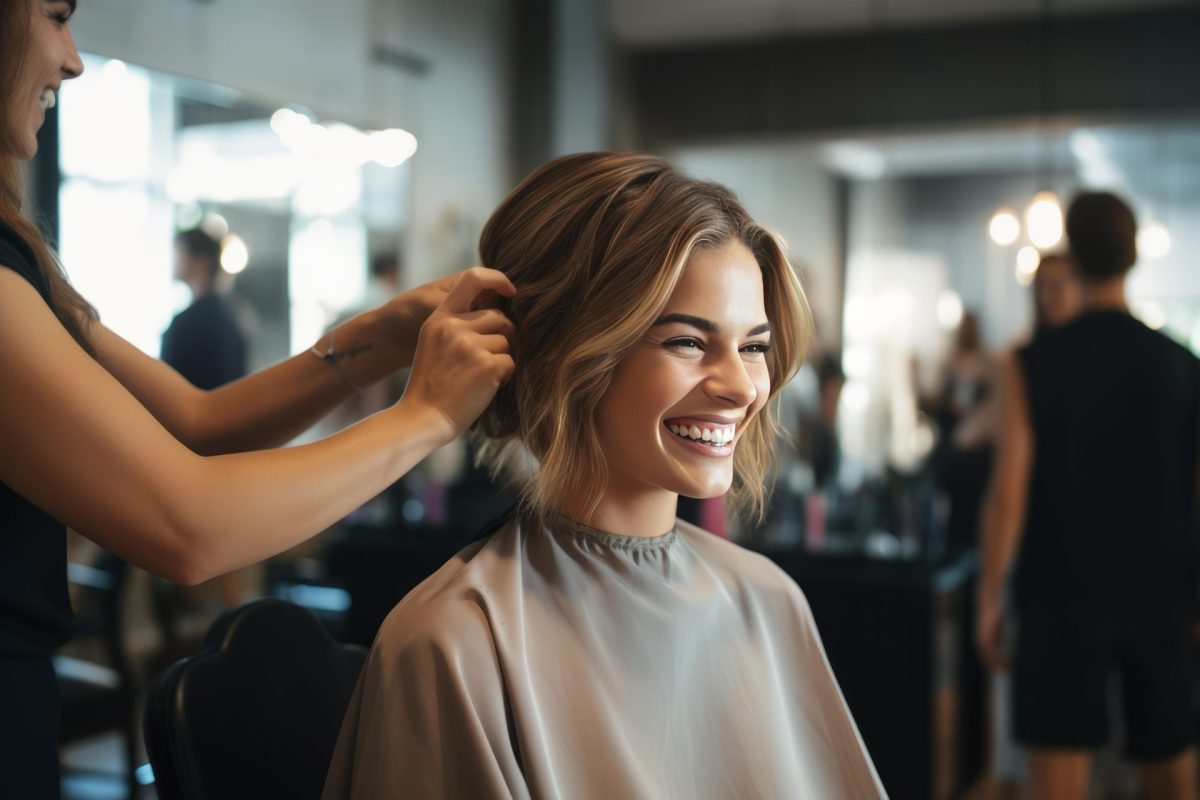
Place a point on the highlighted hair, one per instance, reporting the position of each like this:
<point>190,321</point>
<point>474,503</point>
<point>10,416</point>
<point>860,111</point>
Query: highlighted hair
<point>596,243</point>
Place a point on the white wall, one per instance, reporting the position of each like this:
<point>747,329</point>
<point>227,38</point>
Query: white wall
<point>786,188</point>
<point>317,53</point>
<point>580,104</point>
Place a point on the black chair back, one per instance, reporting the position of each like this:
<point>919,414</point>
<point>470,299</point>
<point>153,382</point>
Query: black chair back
<point>256,713</point>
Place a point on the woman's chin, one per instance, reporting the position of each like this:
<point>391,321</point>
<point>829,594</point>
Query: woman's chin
<point>26,148</point>
<point>706,490</point>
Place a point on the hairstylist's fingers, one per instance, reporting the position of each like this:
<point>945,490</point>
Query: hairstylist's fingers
<point>505,365</point>
<point>471,284</point>
<point>489,321</point>
<point>494,343</point>
<point>461,360</point>
<point>446,283</point>
<point>485,299</point>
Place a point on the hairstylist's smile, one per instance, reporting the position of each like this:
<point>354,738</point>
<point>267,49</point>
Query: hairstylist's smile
<point>47,100</point>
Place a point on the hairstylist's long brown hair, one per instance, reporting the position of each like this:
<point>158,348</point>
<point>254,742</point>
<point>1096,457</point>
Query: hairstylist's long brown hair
<point>72,310</point>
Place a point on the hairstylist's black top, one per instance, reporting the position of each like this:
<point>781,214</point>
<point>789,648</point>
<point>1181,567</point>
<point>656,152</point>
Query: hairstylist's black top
<point>35,612</point>
<point>1110,535</point>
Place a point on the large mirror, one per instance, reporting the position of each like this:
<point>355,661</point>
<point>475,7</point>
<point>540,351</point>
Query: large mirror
<point>304,205</point>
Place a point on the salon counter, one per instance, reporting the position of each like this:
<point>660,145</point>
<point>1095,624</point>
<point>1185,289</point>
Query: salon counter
<point>898,636</point>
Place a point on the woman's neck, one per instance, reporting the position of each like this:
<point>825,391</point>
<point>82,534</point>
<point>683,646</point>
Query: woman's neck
<point>646,514</point>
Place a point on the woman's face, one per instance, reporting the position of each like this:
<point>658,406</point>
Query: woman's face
<point>679,401</point>
<point>51,59</point>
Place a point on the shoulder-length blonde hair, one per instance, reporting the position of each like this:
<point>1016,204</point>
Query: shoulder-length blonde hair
<point>595,244</point>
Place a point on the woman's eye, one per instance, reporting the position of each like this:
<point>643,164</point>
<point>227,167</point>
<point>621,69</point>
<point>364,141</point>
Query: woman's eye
<point>756,347</point>
<point>59,12</point>
<point>682,344</point>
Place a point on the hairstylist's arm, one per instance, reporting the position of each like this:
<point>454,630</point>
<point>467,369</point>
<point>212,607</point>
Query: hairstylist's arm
<point>80,446</point>
<point>272,406</point>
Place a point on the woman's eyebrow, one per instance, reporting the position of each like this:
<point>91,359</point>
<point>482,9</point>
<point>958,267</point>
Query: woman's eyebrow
<point>708,326</point>
<point>700,323</point>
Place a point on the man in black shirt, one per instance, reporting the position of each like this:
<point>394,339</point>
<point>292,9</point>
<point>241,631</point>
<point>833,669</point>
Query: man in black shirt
<point>203,342</point>
<point>1093,506</point>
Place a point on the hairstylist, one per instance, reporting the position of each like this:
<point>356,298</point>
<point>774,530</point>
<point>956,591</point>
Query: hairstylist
<point>182,482</point>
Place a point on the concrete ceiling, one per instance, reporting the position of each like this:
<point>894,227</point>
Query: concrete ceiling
<point>670,22</point>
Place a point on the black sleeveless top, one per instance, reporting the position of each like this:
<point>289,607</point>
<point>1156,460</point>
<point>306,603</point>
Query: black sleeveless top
<point>1110,533</point>
<point>35,611</point>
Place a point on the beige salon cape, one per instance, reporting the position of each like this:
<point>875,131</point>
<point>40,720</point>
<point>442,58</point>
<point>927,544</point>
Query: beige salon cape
<point>572,663</point>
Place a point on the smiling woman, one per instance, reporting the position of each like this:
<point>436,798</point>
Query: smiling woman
<point>50,58</point>
<point>37,53</point>
<point>591,645</point>
<point>598,244</point>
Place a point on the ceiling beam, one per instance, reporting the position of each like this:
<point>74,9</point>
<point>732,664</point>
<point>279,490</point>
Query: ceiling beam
<point>1147,62</point>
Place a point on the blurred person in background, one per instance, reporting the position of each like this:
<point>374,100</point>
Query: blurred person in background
<point>1057,297</point>
<point>1091,520</point>
<point>203,342</point>
<point>185,483</point>
<point>817,438</point>
<point>964,414</point>
<point>1057,293</point>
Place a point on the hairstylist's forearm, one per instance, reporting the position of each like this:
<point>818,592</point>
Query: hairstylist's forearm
<point>275,405</point>
<point>248,506</point>
<point>269,408</point>
<point>270,500</point>
<point>266,409</point>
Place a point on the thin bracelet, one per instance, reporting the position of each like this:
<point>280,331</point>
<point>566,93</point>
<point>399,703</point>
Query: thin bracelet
<point>332,357</point>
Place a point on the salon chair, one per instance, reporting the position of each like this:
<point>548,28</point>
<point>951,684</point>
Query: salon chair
<point>256,712</point>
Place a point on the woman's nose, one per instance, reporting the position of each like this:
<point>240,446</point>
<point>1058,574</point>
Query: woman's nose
<point>72,64</point>
<point>729,380</point>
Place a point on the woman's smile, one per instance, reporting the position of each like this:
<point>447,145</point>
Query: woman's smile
<point>713,447</point>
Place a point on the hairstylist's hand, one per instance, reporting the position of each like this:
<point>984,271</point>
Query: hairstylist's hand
<point>462,353</point>
<point>405,313</point>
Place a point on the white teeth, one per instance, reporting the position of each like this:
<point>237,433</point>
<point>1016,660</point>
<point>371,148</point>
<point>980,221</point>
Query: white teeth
<point>47,100</point>
<point>715,436</point>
